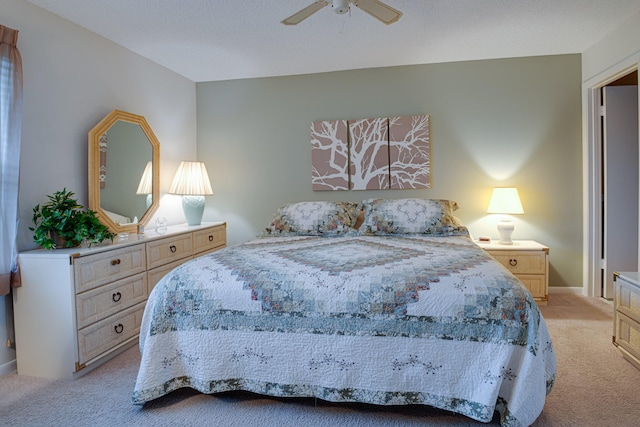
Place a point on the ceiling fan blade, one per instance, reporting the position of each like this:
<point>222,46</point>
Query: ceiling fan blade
<point>379,10</point>
<point>303,14</point>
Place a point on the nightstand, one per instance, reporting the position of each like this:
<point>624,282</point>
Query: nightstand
<point>528,260</point>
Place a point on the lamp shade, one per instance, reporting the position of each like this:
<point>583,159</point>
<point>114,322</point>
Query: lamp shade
<point>146,182</point>
<point>505,200</point>
<point>191,179</point>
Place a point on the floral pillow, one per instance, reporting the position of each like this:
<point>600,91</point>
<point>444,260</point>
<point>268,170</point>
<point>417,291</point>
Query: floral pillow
<point>313,219</point>
<point>411,216</point>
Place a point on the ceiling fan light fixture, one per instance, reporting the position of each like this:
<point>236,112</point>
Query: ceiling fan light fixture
<point>376,8</point>
<point>340,6</point>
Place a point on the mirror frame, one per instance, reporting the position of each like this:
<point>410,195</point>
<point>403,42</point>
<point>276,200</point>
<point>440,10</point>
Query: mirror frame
<point>94,170</point>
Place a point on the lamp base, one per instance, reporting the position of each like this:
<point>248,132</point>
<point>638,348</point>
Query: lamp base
<point>193,207</point>
<point>505,228</point>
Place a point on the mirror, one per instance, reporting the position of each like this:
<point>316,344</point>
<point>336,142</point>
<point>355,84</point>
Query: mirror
<point>124,183</point>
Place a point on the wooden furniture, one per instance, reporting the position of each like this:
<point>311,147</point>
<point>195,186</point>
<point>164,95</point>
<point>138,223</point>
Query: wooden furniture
<point>79,307</point>
<point>626,315</point>
<point>528,260</point>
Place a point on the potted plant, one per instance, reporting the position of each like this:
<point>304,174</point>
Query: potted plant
<point>62,222</point>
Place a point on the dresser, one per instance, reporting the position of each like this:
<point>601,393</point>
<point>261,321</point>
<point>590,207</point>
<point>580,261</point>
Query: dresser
<point>626,315</point>
<point>528,260</point>
<point>79,307</point>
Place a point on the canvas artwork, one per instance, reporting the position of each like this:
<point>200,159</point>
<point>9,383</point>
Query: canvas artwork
<point>329,155</point>
<point>409,153</point>
<point>371,154</point>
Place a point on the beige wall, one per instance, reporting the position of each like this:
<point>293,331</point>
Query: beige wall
<point>72,79</point>
<point>493,123</point>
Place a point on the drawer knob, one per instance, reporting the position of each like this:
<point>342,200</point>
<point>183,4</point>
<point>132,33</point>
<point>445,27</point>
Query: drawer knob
<point>173,248</point>
<point>115,261</point>
<point>116,297</point>
<point>513,262</point>
<point>211,237</point>
<point>118,328</point>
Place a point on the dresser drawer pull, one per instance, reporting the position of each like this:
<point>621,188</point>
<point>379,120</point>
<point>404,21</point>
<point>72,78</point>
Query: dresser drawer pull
<point>115,261</point>
<point>211,237</point>
<point>513,262</point>
<point>173,248</point>
<point>116,297</point>
<point>118,328</point>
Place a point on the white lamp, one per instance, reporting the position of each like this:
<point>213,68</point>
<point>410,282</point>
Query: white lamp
<point>505,201</point>
<point>192,182</point>
<point>146,183</point>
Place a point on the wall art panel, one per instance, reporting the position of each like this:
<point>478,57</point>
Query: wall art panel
<point>409,152</point>
<point>329,155</point>
<point>369,161</point>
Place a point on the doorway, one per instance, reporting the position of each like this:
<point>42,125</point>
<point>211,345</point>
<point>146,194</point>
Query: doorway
<point>612,176</point>
<point>620,176</point>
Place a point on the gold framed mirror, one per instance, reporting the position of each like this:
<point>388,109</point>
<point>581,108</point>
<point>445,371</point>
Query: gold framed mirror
<point>124,177</point>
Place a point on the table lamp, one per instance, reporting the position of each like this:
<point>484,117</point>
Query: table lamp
<point>505,201</point>
<point>192,183</point>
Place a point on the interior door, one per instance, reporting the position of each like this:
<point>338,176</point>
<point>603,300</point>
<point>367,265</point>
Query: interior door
<point>620,137</point>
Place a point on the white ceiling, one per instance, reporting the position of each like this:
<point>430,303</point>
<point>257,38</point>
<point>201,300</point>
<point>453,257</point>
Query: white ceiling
<point>208,40</point>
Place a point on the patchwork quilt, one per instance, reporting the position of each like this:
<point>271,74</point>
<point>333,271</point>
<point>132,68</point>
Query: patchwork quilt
<point>385,320</point>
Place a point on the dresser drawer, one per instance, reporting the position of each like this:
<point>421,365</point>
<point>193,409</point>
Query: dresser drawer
<point>209,239</point>
<point>95,270</point>
<point>628,334</point>
<point>522,262</point>
<point>109,333</point>
<point>627,299</point>
<point>106,300</point>
<point>163,251</point>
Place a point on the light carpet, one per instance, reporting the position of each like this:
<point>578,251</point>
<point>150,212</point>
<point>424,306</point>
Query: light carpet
<point>595,386</point>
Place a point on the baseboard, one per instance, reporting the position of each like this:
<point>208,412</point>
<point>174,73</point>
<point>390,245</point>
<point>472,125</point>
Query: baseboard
<point>8,367</point>
<point>566,290</point>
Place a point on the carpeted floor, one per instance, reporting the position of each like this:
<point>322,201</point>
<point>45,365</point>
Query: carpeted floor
<point>595,386</point>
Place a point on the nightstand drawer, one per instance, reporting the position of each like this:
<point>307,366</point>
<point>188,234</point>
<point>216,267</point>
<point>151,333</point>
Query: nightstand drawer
<point>536,283</point>
<point>163,251</point>
<point>528,260</point>
<point>521,262</point>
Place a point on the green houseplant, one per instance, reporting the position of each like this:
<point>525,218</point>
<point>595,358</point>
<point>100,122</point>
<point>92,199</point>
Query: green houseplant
<point>62,222</point>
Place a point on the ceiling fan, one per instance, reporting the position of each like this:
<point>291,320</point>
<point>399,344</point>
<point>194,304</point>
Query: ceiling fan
<point>375,8</point>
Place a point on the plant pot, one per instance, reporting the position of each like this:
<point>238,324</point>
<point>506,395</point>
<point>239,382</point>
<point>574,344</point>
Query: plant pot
<point>60,241</point>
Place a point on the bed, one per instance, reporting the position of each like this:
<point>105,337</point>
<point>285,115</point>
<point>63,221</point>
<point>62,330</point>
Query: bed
<point>385,302</point>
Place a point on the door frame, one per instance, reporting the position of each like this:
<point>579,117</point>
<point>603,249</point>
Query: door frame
<point>591,172</point>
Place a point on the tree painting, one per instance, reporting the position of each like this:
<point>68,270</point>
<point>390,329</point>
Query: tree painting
<point>329,155</point>
<point>409,152</point>
<point>371,154</point>
<point>369,162</point>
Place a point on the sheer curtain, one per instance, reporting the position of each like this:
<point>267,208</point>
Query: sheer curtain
<point>10,130</point>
